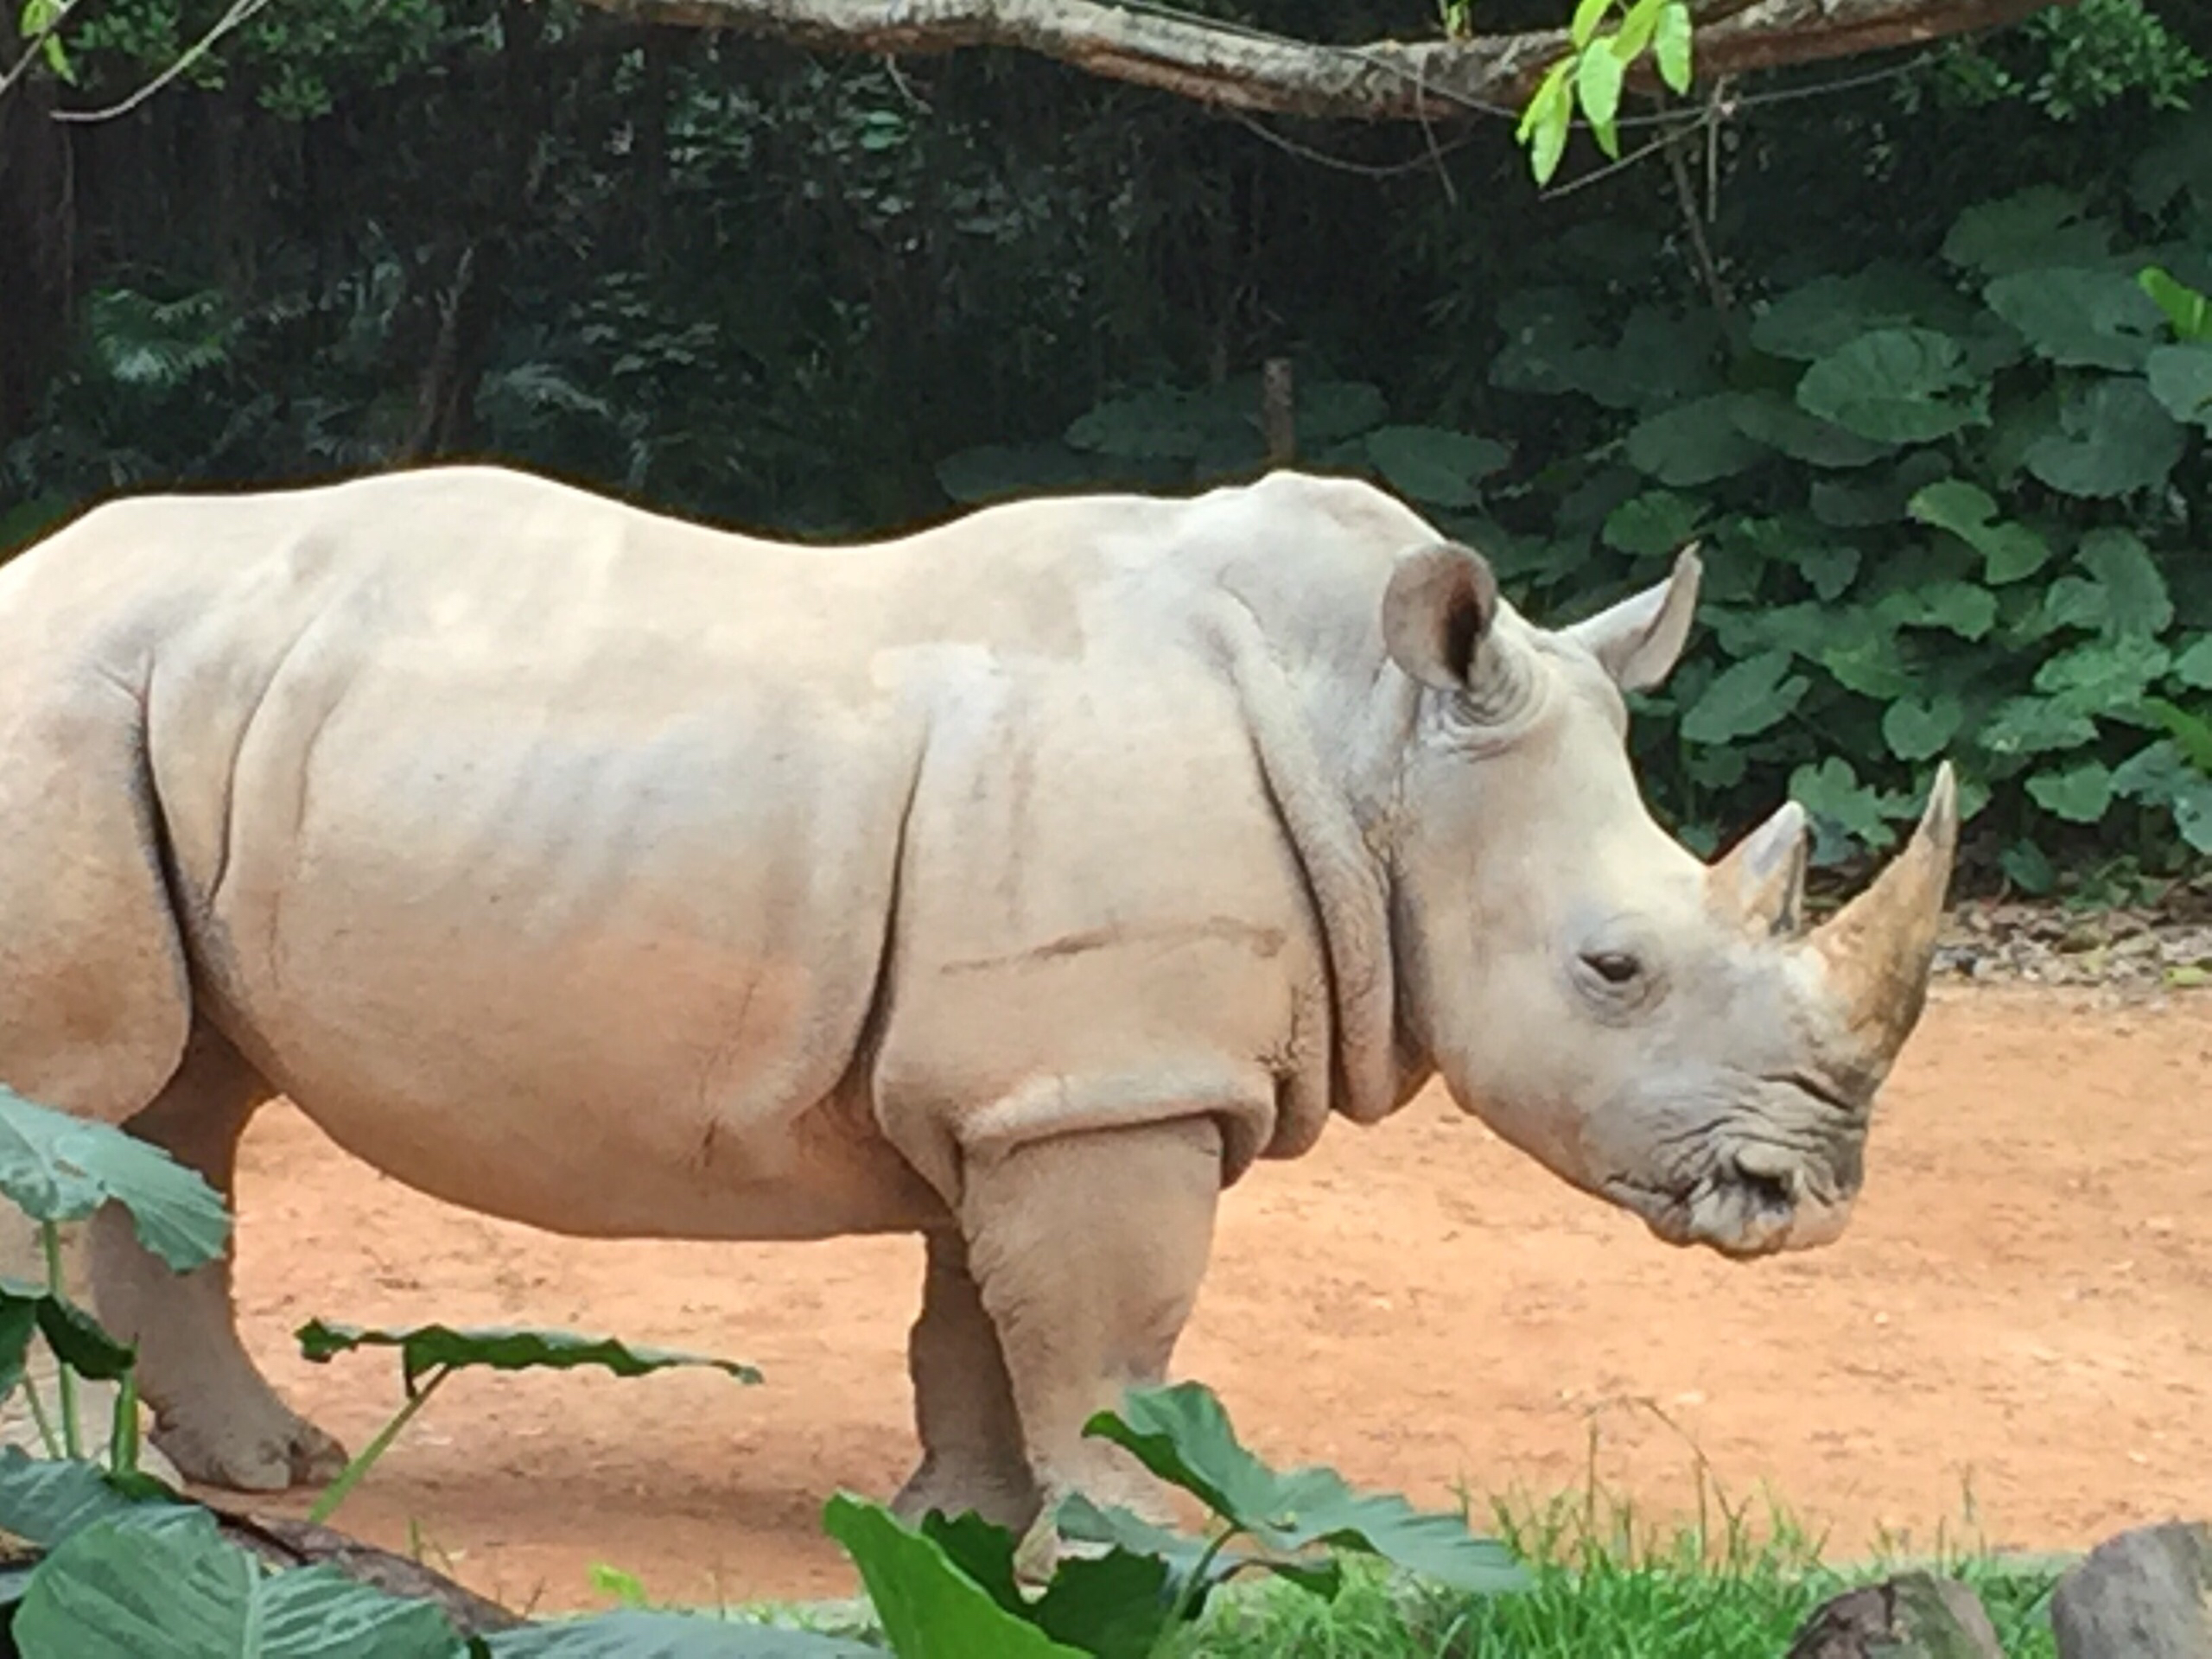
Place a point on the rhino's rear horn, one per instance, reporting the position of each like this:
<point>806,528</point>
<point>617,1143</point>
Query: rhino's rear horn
<point>1877,952</point>
<point>1760,884</point>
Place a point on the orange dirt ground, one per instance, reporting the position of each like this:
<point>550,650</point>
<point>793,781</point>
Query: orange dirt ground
<point>2019,1319</point>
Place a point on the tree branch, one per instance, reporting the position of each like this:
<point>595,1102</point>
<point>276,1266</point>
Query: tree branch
<point>1230,67</point>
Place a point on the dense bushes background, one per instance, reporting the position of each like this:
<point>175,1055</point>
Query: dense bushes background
<point>1875,333</point>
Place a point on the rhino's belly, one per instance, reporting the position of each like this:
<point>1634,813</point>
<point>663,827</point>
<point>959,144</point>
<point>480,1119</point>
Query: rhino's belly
<point>595,978</point>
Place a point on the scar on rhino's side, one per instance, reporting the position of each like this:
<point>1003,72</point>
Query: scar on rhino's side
<point>1262,941</point>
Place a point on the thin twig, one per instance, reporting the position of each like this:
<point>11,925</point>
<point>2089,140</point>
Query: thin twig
<point>240,13</point>
<point>1707,268</point>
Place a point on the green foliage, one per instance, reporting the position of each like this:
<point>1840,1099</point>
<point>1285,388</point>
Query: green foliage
<point>57,1168</point>
<point>430,1354</point>
<point>2070,60</point>
<point>1595,69</point>
<point>1948,510</point>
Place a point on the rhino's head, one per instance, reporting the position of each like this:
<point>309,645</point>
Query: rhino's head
<point>1658,1031</point>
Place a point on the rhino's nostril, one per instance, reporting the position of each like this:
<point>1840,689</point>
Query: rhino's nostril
<point>1769,1187</point>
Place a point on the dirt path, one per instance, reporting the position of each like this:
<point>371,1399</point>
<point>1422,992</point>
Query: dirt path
<point>2021,1312</point>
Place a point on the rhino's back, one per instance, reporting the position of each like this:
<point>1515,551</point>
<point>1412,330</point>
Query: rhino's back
<point>548,852</point>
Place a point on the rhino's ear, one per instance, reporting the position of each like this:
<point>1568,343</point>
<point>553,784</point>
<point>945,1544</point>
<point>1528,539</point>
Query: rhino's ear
<point>1639,640</point>
<point>1440,602</point>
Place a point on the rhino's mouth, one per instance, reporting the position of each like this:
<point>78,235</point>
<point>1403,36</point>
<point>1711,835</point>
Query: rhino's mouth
<point>1741,1206</point>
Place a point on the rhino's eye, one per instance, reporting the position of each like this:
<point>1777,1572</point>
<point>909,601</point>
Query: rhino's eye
<point>1614,967</point>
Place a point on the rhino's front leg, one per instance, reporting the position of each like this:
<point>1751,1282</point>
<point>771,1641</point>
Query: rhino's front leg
<point>972,1454</point>
<point>1088,1249</point>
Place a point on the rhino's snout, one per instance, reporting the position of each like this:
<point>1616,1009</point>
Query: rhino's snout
<point>1757,1200</point>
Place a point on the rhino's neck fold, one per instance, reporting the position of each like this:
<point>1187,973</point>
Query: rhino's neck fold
<point>1343,877</point>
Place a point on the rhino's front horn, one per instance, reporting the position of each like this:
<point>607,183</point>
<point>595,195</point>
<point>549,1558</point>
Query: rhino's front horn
<point>1877,952</point>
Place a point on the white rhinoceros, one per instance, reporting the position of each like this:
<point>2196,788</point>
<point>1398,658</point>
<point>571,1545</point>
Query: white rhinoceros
<point>1018,883</point>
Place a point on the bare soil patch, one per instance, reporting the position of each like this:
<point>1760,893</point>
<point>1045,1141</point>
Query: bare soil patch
<point>2020,1319</point>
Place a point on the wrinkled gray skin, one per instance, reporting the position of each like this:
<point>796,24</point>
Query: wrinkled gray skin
<point>1018,883</point>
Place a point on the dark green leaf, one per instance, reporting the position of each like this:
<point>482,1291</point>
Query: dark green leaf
<point>1829,567</point>
<point>1181,1433</point>
<point>2041,226</point>
<point>1962,607</point>
<point>2079,319</point>
<point>1658,521</point>
<point>2028,868</point>
<point>56,1167</point>
<point>2134,597</point>
<point>1157,423</point>
<point>1769,418</point>
<point>1896,386</point>
<point>426,1348</point>
<point>1329,411</point>
<point>1434,467</point>
<point>2180,379</point>
<point>2156,773</point>
<point>1824,315</point>
<point>2034,725</point>
<point>2105,677</point>
<point>117,1590</point>
<point>45,1500</point>
<point>981,1549</point>
<point>635,1633</point>
<point>74,1335</point>
<point>930,1608</point>
<point>1113,1606</point>
<point>2011,551</point>
<point>1693,443</point>
<point>2112,438</point>
<point>1744,699</point>
<point>1832,793</point>
<point>1916,729</point>
<point>2080,794</point>
<point>18,1319</point>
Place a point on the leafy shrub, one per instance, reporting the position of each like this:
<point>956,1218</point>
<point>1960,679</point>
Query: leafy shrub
<point>1952,509</point>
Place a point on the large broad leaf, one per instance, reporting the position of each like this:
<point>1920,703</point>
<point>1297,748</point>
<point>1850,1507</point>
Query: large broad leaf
<point>120,1590</point>
<point>45,1501</point>
<point>930,1608</point>
<point>2034,725</point>
<point>1917,728</point>
<point>1434,467</point>
<point>1839,805</point>
<point>1182,1435</point>
<point>55,1168</point>
<point>2180,379</point>
<point>2192,732</point>
<point>1828,312</point>
<point>2080,319</point>
<point>426,1347</point>
<point>2134,593</point>
<point>1965,608</point>
<point>1896,386</point>
<point>2109,677</point>
<point>636,1633</point>
<point>2041,226</point>
<point>2010,551</point>
<point>1156,423</point>
<point>75,1336</point>
<point>2080,794</point>
<point>1746,698</point>
<point>1657,521</point>
<point>1693,443</point>
<point>1329,411</point>
<point>1769,418</point>
<point>2113,437</point>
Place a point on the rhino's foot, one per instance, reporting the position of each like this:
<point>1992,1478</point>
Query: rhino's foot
<point>1004,1495</point>
<point>262,1453</point>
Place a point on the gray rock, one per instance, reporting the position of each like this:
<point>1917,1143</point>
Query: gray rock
<point>2140,1595</point>
<point>1912,1616</point>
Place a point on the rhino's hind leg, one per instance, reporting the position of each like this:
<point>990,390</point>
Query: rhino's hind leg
<point>972,1454</point>
<point>215,1416</point>
<point>1088,1249</point>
